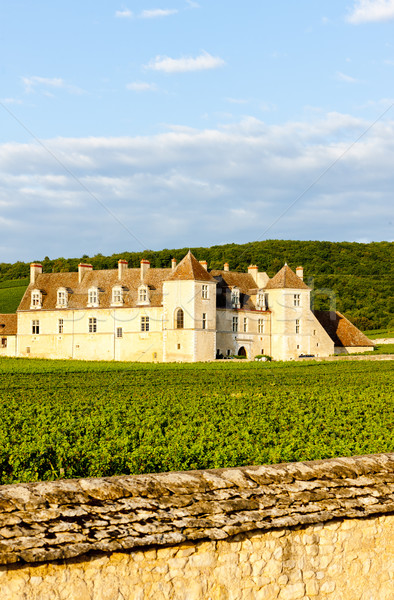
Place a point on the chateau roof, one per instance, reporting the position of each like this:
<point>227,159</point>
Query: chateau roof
<point>286,278</point>
<point>105,280</point>
<point>8,325</point>
<point>230,279</point>
<point>189,269</point>
<point>341,330</point>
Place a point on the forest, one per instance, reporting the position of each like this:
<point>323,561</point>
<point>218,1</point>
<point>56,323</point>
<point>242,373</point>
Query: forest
<point>354,278</point>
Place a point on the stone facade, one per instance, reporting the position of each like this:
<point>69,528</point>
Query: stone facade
<point>322,529</point>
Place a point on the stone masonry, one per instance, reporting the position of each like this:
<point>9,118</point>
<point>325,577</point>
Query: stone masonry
<point>322,529</point>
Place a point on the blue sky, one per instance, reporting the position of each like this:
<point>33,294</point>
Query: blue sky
<point>126,126</point>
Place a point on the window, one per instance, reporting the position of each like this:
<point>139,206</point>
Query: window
<point>144,323</point>
<point>4,342</point>
<point>178,346</point>
<point>245,324</point>
<point>260,325</point>
<point>260,299</point>
<point>297,299</point>
<point>297,326</point>
<point>36,299</point>
<point>119,332</point>
<point>262,351</point>
<point>204,291</point>
<point>60,325</point>
<point>93,299</point>
<point>235,323</point>
<point>92,325</point>
<point>235,297</point>
<point>35,327</point>
<point>204,320</point>
<point>179,319</point>
<point>143,294</point>
<point>117,295</point>
<point>62,298</point>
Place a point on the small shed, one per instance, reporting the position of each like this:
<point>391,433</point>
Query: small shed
<point>346,337</point>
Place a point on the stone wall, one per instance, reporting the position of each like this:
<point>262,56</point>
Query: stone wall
<point>323,529</point>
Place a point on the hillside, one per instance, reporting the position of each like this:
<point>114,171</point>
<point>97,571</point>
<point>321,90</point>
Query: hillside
<point>358,278</point>
<point>11,292</point>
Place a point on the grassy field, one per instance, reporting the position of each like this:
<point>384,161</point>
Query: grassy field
<point>11,293</point>
<point>81,419</point>
<point>375,334</point>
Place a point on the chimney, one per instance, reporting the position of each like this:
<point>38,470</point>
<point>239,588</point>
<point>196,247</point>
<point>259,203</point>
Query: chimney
<point>173,264</point>
<point>145,264</point>
<point>226,267</point>
<point>82,269</point>
<point>253,271</point>
<point>204,264</point>
<point>122,268</point>
<point>35,270</point>
<point>300,272</point>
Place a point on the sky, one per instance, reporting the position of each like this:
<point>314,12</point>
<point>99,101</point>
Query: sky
<point>182,123</point>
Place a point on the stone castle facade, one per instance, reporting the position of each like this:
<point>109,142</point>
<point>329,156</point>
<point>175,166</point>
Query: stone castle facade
<point>182,313</point>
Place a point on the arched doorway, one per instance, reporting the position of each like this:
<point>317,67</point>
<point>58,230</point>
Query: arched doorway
<point>242,351</point>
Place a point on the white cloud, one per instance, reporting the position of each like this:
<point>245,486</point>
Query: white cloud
<point>187,63</point>
<point>125,13</point>
<point>192,4</point>
<point>32,83</point>
<point>155,13</point>
<point>367,11</point>
<point>343,77</point>
<point>141,86</point>
<point>11,101</point>
<point>245,168</point>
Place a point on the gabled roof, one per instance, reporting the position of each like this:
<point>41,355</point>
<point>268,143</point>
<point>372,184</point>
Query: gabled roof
<point>189,269</point>
<point>227,280</point>
<point>341,330</point>
<point>286,278</point>
<point>8,325</point>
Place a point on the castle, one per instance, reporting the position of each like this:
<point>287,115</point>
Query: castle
<point>181,313</point>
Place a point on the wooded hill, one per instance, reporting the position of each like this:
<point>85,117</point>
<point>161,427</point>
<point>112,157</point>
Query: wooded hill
<point>356,279</point>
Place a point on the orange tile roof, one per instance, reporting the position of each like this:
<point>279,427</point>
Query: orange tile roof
<point>49,283</point>
<point>286,278</point>
<point>8,325</point>
<point>341,330</point>
<point>189,269</point>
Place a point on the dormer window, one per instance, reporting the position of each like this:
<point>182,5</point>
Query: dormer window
<point>235,298</point>
<point>62,298</point>
<point>36,299</point>
<point>117,295</point>
<point>261,300</point>
<point>93,299</point>
<point>143,294</point>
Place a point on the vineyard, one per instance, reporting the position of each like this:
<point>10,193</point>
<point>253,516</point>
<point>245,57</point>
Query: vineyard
<point>79,419</point>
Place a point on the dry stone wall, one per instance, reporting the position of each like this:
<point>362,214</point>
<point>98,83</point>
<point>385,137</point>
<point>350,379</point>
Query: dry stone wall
<point>322,529</point>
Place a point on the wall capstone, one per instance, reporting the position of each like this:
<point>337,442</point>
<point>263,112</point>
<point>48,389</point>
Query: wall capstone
<point>48,521</point>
